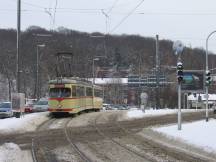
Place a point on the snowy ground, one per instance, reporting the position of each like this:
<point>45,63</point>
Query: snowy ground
<point>200,134</point>
<point>26,123</point>
<point>136,113</point>
<point>204,132</point>
<point>10,152</point>
<point>29,122</point>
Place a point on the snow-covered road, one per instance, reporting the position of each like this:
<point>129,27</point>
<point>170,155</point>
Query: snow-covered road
<point>201,133</point>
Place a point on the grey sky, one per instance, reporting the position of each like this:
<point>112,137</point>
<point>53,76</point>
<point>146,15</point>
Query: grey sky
<point>187,20</point>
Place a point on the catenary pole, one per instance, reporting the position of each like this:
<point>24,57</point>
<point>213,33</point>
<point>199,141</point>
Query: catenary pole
<point>18,45</point>
<point>157,72</point>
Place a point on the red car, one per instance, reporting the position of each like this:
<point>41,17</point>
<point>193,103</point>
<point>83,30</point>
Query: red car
<point>29,105</point>
<point>28,108</point>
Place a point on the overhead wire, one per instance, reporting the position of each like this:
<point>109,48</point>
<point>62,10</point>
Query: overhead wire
<point>98,11</point>
<point>124,18</point>
<point>111,8</point>
<point>175,13</point>
<point>30,4</point>
<point>54,15</point>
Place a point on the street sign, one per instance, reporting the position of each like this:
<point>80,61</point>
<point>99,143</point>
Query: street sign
<point>193,81</point>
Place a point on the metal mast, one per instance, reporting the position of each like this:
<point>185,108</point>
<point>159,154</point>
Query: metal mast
<point>18,45</point>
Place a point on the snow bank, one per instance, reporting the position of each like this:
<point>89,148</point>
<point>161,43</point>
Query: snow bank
<point>140,114</point>
<point>10,152</point>
<point>26,123</point>
<point>200,133</point>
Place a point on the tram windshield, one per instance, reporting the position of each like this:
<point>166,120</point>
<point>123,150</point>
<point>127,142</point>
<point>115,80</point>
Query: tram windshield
<point>59,92</point>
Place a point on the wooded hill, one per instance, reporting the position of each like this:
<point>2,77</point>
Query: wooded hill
<point>122,50</point>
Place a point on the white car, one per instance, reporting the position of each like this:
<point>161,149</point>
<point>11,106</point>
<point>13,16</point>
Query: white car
<point>6,110</point>
<point>40,106</point>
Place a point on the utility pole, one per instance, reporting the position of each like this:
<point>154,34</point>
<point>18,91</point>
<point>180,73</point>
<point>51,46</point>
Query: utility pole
<point>18,45</point>
<point>37,71</point>
<point>157,73</point>
<point>107,18</point>
<point>139,91</point>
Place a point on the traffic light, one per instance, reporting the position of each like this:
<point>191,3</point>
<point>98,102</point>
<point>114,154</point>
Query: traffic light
<point>180,72</point>
<point>208,78</point>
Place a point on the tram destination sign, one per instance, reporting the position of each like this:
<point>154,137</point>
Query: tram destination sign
<point>193,81</point>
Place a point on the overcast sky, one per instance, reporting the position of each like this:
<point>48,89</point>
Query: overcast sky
<point>187,20</point>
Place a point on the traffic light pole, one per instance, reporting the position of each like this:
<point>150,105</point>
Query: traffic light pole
<point>206,72</point>
<point>207,104</point>
<point>178,48</point>
<point>179,106</point>
<point>180,76</point>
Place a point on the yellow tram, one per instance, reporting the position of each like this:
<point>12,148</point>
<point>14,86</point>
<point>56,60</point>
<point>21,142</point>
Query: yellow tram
<point>73,95</point>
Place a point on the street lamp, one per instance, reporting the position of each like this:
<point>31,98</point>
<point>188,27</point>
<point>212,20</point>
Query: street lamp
<point>96,58</point>
<point>93,69</point>
<point>206,73</point>
<point>37,69</point>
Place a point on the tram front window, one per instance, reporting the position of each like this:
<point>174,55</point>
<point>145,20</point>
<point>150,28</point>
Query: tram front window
<point>59,92</point>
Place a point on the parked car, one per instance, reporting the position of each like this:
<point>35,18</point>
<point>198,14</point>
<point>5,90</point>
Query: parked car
<point>6,110</point>
<point>112,107</point>
<point>123,107</point>
<point>40,106</point>
<point>105,106</point>
<point>120,107</point>
<point>29,105</point>
<point>214,108</point>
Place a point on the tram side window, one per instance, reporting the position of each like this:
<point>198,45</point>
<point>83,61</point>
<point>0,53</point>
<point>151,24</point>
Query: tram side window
<point>88,91</point>
<point>80,91</point>
<point>74,91</point>
<point>98,93</point>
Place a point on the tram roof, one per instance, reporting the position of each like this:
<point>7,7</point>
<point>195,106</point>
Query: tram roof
<point>71,81</point>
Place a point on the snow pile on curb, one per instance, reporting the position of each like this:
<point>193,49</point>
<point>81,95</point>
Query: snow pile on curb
<point>199,133</point>
<point>26,123</point>
<point>10,152</point>
<point>151,112</point>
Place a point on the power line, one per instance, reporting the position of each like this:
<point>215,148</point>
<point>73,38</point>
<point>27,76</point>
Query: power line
<point>54,15</point>
<point>98,11</point>
<point>174,13</point>
<point>31,4</point>
<point>115,2</point>
<point>131,12</point>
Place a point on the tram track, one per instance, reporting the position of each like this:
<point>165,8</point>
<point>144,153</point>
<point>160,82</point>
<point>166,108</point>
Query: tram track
<point>76,148</point>
<point>164,151</point>
<point>145,158</point>
<point>146,148</point>
<point>39,152</point>
<point>103,139</point>
<point>45,154</point>
<point>42,152</point>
